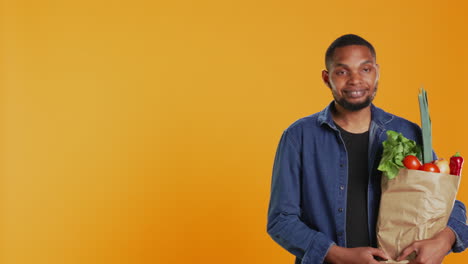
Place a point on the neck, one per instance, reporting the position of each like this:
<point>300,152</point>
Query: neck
<point>352,121</point>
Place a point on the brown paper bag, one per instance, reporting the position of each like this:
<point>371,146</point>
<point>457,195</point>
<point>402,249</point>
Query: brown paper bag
<point>415,205</point>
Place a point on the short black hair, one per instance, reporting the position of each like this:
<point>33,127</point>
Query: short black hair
<point>346,40</point>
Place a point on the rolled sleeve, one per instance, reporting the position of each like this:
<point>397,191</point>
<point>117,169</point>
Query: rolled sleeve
<point>306,244</point>
<point>457,222</point>
<point>317,250</point>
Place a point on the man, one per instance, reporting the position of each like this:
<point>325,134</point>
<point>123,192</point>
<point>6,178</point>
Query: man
<point>326,188</point>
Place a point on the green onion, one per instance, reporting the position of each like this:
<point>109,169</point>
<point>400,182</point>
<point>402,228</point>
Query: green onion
<point>426,126</point>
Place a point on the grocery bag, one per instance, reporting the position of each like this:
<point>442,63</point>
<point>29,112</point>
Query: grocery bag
<point>415,205</point>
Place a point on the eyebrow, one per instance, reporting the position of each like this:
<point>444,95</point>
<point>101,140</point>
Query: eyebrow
<point>345,65</point>
<point>367,61</point>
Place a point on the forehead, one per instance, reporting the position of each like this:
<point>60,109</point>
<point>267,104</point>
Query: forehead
<point>351,55</point>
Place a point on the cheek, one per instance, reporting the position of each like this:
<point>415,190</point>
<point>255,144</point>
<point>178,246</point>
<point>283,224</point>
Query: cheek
<point>371,79</point>
<point>336,82</point>
<point>333,86</point>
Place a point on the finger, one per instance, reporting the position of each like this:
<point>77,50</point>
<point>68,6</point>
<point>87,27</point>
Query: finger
<point>406,252</point>
<point>373,261</point>
<point>417,260</point>
<point>379,253</point>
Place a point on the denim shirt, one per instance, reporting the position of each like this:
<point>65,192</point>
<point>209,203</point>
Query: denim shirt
<point>307,211</point>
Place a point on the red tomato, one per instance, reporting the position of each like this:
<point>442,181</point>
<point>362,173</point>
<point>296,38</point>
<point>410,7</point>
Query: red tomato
<point>412,162</point>
<point>430,167</point>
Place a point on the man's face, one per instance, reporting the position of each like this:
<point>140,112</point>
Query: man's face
<point>353,77</point>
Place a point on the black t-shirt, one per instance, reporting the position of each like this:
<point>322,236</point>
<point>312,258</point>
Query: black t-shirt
<point>357,233</point>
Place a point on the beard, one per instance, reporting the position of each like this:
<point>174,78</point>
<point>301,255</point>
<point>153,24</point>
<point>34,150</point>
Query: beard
<point>355,106</point>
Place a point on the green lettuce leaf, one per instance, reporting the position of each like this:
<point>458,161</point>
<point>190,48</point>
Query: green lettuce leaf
<point>395,149</point>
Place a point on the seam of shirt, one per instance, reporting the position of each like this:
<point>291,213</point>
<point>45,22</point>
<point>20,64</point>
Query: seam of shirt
<point>292,142</point>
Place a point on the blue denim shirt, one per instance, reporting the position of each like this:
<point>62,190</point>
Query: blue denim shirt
<point>307,211</point>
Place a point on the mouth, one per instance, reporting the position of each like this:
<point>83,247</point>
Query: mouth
<point>355,93</point>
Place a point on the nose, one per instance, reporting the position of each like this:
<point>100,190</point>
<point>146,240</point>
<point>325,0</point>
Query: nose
<point>354,78</point>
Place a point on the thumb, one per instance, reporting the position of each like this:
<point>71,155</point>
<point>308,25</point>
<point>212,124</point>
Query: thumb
<point>406,252</point>
<point>379,253</point>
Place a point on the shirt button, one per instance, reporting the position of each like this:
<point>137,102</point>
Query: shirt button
<point>340,210</point>
<point>340,233</point>
<point>342,187</point>
<point>341,165</point>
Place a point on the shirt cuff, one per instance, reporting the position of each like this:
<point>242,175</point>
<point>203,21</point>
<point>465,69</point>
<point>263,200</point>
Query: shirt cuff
<point>317,250</point>
<point>458,246</point>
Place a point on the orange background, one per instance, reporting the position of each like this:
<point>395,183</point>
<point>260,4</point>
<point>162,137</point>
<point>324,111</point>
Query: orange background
<point>145,131</point>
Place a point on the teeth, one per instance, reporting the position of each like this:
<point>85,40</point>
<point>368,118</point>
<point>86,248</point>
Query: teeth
<point>356,93</point>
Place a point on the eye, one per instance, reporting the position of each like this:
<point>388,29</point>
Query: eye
<point>367,69</point>
<point>340,72</point>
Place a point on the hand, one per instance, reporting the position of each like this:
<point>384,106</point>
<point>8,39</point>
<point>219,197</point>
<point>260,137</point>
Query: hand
<point>359,255</point>
<point>430,251</point>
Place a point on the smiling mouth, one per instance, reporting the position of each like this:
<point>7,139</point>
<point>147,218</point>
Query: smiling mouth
<point>355,93</point>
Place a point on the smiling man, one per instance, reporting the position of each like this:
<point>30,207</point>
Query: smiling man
<point>325,191</point>
<point>355,75</point>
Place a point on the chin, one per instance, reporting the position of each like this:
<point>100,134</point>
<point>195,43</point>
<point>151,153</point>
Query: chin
<point>354,106</point>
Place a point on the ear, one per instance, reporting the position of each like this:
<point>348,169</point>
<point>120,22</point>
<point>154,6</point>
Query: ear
<point>326,78</point>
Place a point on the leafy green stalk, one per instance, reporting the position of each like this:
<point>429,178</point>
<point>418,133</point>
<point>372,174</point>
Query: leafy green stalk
<point>395,149</point>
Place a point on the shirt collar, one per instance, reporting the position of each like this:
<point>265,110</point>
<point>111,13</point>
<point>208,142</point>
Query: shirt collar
<point>379,116</point>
